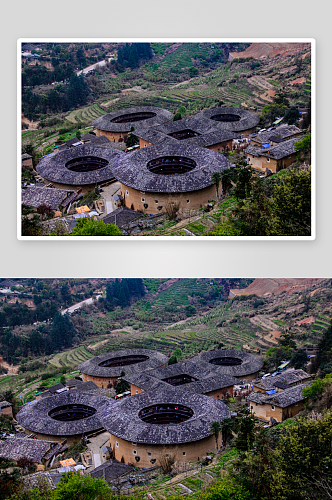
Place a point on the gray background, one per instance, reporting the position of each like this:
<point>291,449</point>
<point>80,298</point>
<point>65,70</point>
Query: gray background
<point>159,18</point>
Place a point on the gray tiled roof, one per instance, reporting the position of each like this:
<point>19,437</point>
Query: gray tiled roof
<point>132,171</point>
<point>25,156</point>
<point>184,368</point>
<point>279,134</point>
<point>5,404</point>
<point>282,398</point>
<point>250,364</point>
<point>247,119</point>
<point>104,122</point>
<point>121,216</point>
<point>36,196</point>
<point>123,421</point>
<point>146,382</point>
<point>33,480</point>
<point>55,388</point>
<point>53,167</point>
<point>210,384</point>
<point>110,470</point>
<point>290,376</point>
<point>14,449</point>
<point>208,133</point>
<point>35,416</point>
<point>91,366</point>
<point>276,152</point>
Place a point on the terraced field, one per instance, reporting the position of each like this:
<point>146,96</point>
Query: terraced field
<point>179,292</point>
<point>85,115</point>
<point>71,358</point>
<point>321,324</point>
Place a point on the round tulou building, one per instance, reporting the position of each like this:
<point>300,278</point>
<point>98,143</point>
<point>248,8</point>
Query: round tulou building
<point>69,415</point>
<point>238,364</point>
<point>106,369</point>
<point>168,422</point>
<point>232,119</point>
<point>83,167</point>
<point>116,125</point>
<point>165,174</point>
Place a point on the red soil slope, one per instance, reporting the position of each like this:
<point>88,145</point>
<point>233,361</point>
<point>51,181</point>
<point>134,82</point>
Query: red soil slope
<point>259,50</point>
<point>266,286</point>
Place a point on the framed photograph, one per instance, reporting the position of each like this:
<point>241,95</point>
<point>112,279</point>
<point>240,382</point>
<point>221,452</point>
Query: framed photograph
<point>166,138</point>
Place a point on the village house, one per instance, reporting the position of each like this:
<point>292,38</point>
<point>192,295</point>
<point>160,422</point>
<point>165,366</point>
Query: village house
<point>274,158</point>
<point>56,199</point>
<point>275,136</point>
<point>37,450</point>
<point>280,381</point>
<point>6,408</point>
<point>278,406</point>
<point>27,160</point>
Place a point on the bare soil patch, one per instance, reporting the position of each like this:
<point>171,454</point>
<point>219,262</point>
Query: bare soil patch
<point>32,125</point>
<point>12,369</point>
<point>266,286</point>
<point>260,50</point>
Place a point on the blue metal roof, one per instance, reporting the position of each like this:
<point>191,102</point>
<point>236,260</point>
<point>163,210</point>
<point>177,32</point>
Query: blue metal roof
<point>270,392</point>
<point>267,145</point>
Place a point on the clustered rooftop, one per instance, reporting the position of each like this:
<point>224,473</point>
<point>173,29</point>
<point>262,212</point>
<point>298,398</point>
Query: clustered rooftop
<point>135,170</point>
<point>68,414</point>
<point>113,363</point>
<point>126,420</point>
<point>138,117</point>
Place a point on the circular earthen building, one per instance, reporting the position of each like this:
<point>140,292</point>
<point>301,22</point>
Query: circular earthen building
<point>232,119</point>
<point>81,166</point>
<point>69,415</point>
<point>239,364</point>
<point>118,124</point>
<point>106,369</point>
<point>159,175</point>
<point>168,422</point>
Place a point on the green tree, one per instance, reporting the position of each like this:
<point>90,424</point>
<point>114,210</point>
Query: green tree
<point>304,457</point>
<point>291,205</point>
<point>275,355</point>
<point>281,99</point>
<point>255,470</point>
<point>246,424</point>
<point>243,186</point>
<point>292,116</point>
<point>251,216</point>
<point>299,360</point>
<point>216,179</point>
<point>62,331</point>
<point>9,480</point>
<point>31,226</point>
<point>193,71</point>
<point>215,428</point>
<point>74,486</point>
<point>303,147</point>
<point>227,177</point>
<point>172,360</point>
<point>122,386</point>
<point>228,425</point>
<point>190,310</point>
<point>286,340</point>
<point>90,227</point>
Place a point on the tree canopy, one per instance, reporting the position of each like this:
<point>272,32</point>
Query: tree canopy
<point>291,205</point>
<point>90,227</point>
